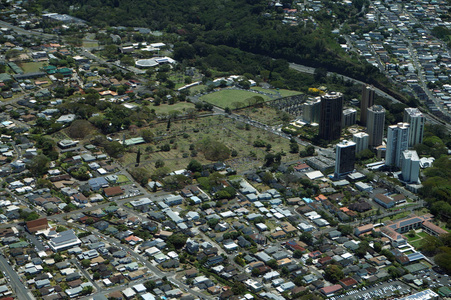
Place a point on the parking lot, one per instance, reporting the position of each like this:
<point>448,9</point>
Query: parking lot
<point>434,279</point>
<point>379,290</point>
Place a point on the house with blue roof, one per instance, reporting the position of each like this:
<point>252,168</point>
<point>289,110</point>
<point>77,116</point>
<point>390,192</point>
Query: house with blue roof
<point>97,183</point>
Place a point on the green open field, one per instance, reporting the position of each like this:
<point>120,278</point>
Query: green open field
<point>266,115</point>
<point>90,44</point>
<point>31,66</point>
<point>196,89</point>
<point>184,133</point>
<point>416,244</point>
<point>166,108</point>
<point>397,216</point>
<point>228,98</point>
<point>122,179</point>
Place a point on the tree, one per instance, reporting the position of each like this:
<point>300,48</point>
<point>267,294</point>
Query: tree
<point>239,288</point>
<point>194,166</point>
<point>150,285</point>
<point>114,149</point>
<point>177,240</point>
<point>294,147</point>
<point>256,272</point>
<point>297,254</point>
<point>85,263</point>
<point>169,124</point>
<point>333,273</point>
<point>141,175</point>
<point>346,229</point>
<point>147,135</point>
<point>39,165</point>
<point>79,129</point>
<point>362,249</point>
<point>272,264</point>
<point>159,163</point>
<point>87,290</point>
<point>138,156</point>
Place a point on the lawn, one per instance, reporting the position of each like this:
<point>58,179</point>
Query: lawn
<point>122,179</point>
<point>197,88</point>
<point>90,44</point>
<point>266,115</point>
<point>423,234</point>
<point>416,244</point>
<point>410,239</point>
<point>397,216</point>
<point>164,109</point>
<point>229,98</point>
<point>31,66</point>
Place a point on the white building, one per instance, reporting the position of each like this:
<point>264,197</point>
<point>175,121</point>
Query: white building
<point>415,118</point>
<point>349,117</point>
<point>361,140</point>
<point>311,110</point>
<point>397,142</point>
<point>410,166</point>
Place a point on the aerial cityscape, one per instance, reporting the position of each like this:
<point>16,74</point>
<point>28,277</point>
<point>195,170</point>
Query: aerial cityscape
<point>246,149</point>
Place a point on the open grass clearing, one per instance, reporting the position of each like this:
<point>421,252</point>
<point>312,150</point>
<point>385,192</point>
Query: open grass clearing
<point>266,115</point>
<point>231,97</point>
<point>90,44</point>
<point>422,234</point>
<point>164,109</point>
<point>29,67</point>
<point>122,179</point>
<point>416,244</point>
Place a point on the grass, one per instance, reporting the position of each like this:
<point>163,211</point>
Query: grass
<point>90,44</point>
<point>122,179</point>
<point>31,66</point>
<point>227,98</point>
<point>397,216</point>
<point>218,128</point>
<point>410,239</point>
<point>423,234</point>
<point>196,89</point>
<point>266,115</point>
<point>166,108</point>
<point>279,93</point>
<point>416,244</point>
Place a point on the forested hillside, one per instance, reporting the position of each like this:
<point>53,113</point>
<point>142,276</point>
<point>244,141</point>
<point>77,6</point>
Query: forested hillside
<point>249,25</point>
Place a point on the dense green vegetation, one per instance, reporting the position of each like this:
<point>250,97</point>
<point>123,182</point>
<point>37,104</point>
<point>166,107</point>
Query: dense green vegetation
<point>210,33</point>
<point>437,186</point>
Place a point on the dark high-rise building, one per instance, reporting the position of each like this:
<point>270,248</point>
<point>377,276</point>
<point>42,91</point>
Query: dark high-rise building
<point>367,101</point>
<point>375,125</point>
<point>331,115</point>
<point>344,158</point>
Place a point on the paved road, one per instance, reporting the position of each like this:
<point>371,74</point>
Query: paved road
<point>304,69</point>
<point>28,32</point>
<point>144,261</point>
<point>17,285</point>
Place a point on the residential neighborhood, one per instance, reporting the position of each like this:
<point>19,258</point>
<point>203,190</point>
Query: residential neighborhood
<point>130,170</point>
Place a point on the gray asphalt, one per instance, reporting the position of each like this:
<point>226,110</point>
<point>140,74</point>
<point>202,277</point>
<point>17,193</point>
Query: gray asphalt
<point>17,285</point>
